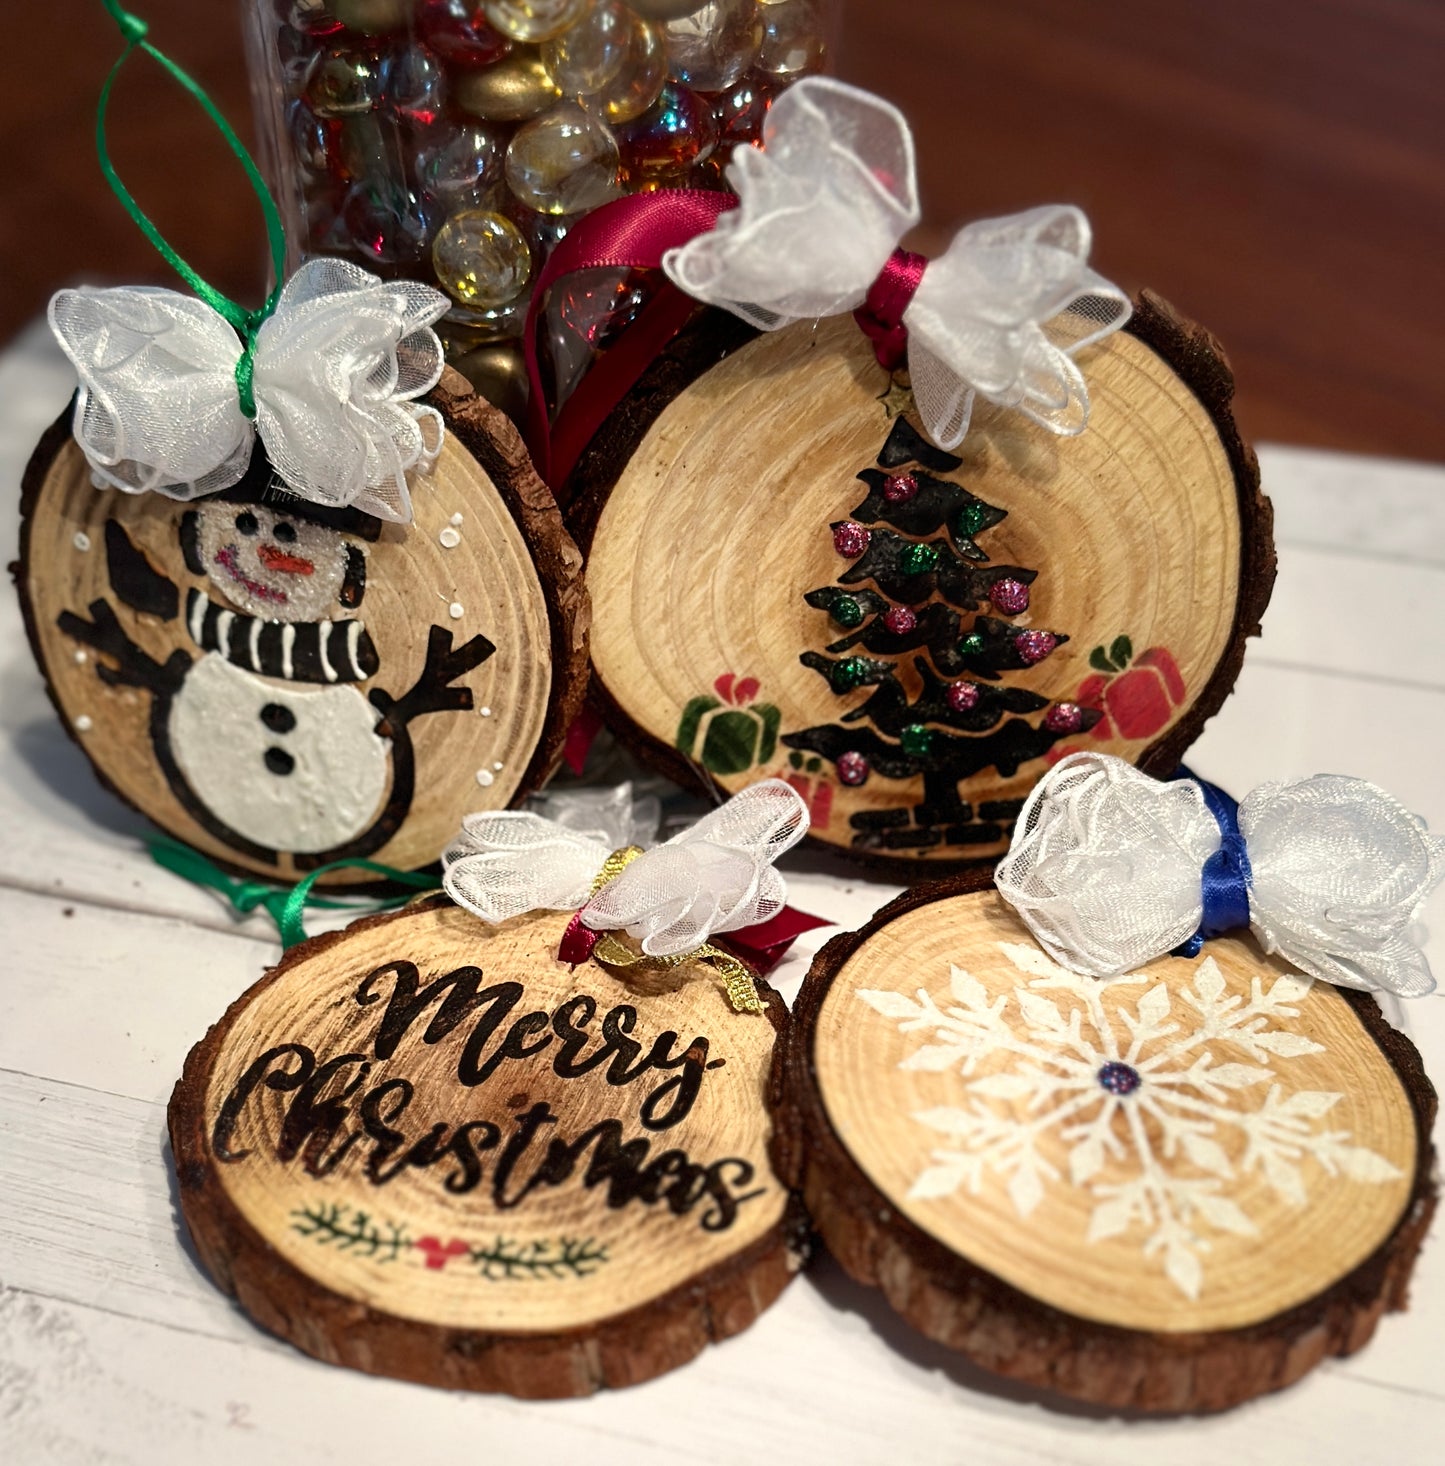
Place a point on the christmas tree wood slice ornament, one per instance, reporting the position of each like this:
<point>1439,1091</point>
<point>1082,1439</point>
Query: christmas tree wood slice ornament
<point>1171,1190</point>
<point>282,685</point>
<point>425,1147</point>
<point>789,578</point>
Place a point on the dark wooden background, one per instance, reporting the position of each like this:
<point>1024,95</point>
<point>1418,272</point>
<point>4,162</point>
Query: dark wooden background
<point>1275,167</point>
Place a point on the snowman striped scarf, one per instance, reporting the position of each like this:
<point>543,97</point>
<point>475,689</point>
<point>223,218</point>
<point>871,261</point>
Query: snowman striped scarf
<point>291,651</point>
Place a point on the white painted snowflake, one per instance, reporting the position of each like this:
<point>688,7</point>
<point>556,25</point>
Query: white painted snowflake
<point>1136,1088</point>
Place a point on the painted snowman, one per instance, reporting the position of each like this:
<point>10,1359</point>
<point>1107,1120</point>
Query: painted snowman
<point>263,733</point>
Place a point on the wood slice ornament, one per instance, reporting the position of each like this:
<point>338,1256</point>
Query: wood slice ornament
<point>789,579</point>
<point>1172,1190</point>
<point>282,686</point>
<point>424,1147</point>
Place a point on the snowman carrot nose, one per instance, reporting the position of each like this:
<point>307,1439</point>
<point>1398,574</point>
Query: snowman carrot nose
<point>274,558</point>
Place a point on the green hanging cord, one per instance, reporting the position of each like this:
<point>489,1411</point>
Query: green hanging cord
<point>246,323</point>
<point>286,907</point>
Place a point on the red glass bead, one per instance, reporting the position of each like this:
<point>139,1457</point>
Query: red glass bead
<point>853,768</point>
<point>899,488</point>
<point>963,696</point>
<point>1010,597</point>
<point>309,16</point>
<point>1064,717</point>
<point>741,110</point>
<point>1034,646</point>
<point>459,32</point>
<point>676,133</point>
<point>900,620</point>
<point>850,539</point>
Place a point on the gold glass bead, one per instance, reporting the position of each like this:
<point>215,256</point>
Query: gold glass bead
<point>509,91</point>
<point>533,20</point>
<point>481,259</point>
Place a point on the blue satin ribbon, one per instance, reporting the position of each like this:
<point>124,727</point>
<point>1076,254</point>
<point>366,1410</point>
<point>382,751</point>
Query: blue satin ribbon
<point>1225,879</point>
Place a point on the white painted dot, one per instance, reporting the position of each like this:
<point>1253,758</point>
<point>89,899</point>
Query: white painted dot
<point>81,541</point>
<point>485,712</point>
<point>449,538</point>
<point>484,777</point>
<point>456,610</point>
<point>84,725</point>
<point>498,766</point>
<point>82,657</point>
<point>456,519</point>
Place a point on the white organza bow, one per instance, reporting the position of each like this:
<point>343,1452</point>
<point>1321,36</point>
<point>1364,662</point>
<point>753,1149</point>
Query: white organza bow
<point>1105,868</point>
<point>716,876</point>
<point>336,369</point>
<point>822,207</point>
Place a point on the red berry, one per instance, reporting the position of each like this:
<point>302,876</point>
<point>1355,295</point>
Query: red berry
<point>899,488</point>
<point>850,539</point>
<point>1034,646</point>
<point>1064,717</point>
<point>852,768</point>
<point>900,620</point>
<point>963,696</point>
<point>1009,597</point>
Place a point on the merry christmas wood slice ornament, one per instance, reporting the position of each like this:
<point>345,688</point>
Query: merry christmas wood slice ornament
<point>1172,1189</point>
<point>429,1147</point>
<point>283,685</point>
<point>791,576</point>
<point>293,587</point>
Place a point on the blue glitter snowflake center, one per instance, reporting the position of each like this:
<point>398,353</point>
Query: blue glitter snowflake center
<point>1119,1078</point>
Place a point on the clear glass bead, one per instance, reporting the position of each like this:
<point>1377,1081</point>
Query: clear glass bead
<point>711,48</point>
<point>563,162</point>
<point>481,259</point>
<point>461,166</point>
<point>794,38</point>
<point>586,57</point>
<point>371,17</point>
<point>534,20</point>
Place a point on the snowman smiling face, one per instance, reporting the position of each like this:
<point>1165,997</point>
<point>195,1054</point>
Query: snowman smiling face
<point>272,564</point>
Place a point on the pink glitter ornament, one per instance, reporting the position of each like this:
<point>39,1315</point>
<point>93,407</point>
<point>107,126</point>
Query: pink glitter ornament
<point>1064,717</point>
<point>1034,646</point>
<point>900,620</point>
<point>963,696</point>
<point>853,768</point>
<point>851,539</point>
<point>1009,597</point>
<point>899,488</point>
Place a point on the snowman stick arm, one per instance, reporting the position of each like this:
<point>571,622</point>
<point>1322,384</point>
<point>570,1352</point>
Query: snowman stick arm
<point>133,666</point>
<point>434,692</point>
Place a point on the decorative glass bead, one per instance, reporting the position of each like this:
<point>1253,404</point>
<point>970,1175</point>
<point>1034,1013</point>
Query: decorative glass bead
<point>563,162</point>
<point>311,141</point>
<point>1009,597</point>
<point>666,9</point>
<point>899,488</point>
<point>312,17</point>
<point>900,620</point>
<point>851,539</point>
<point>296,53</point>
<point>585,58</point>
<point>918,559</point>
<point>853,768</point>
<point>458,32</point>
<point>1064,717</point>
<point>972,645</point>
<point>462,165</point>
<point>667,140</point>
<point>584,313</point>
<point>384,225</point>
<point>414,86</point>
<point>534,20</point>
<point>638,82</point>
<point>481,259</point>
<point>497,370</point>
<point>511,91</point>
<point>489,323</point>
<point>847,612</point>
<point>794,38</point>
<point>1034,646</point>
<point>367,151</point>
<point>969,520</point>
<point>344,81</point>
<point>741,110</point>
<point>714,45</point>
<point>849,674</point>
<point>371,17</point>
<point>963,696</point>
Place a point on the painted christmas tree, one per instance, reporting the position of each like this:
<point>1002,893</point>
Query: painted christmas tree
<point>912,602</point>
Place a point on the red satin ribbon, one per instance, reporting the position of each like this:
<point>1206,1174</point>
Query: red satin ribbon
<point>762,946</point>
<point>634,233</point>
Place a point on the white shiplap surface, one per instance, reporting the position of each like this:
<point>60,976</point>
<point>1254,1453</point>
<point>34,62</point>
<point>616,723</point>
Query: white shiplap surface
<point>115,1348</point>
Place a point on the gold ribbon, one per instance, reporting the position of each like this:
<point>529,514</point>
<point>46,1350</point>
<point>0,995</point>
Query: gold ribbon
<point>738,981</point>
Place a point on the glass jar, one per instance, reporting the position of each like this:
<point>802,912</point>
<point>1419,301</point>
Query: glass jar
<point>456,141</point>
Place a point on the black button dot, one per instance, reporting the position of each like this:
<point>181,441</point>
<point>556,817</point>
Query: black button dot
<point>277,718</point>
<point>284,532</point>
<point>247,522</point>
<point>279,761</point>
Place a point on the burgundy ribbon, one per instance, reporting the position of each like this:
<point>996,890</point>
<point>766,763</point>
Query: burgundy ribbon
<point>762,946</point>
<point>634,233</point>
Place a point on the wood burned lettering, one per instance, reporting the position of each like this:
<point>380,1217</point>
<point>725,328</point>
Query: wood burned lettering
<point>260,724</point>
<point>347,1113</point>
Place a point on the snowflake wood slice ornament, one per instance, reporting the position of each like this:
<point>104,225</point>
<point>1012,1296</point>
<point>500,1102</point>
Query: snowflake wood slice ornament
<point>282,685</point>
<point>426,1147</point>
<point>1172,1190</point>
<point>925,631</point>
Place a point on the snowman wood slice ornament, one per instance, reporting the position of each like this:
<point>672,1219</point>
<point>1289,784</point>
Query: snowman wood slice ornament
<point>283,685</point>
<point>903,559</point>
<point>1173,1188</point>
<point>426,1148</point>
